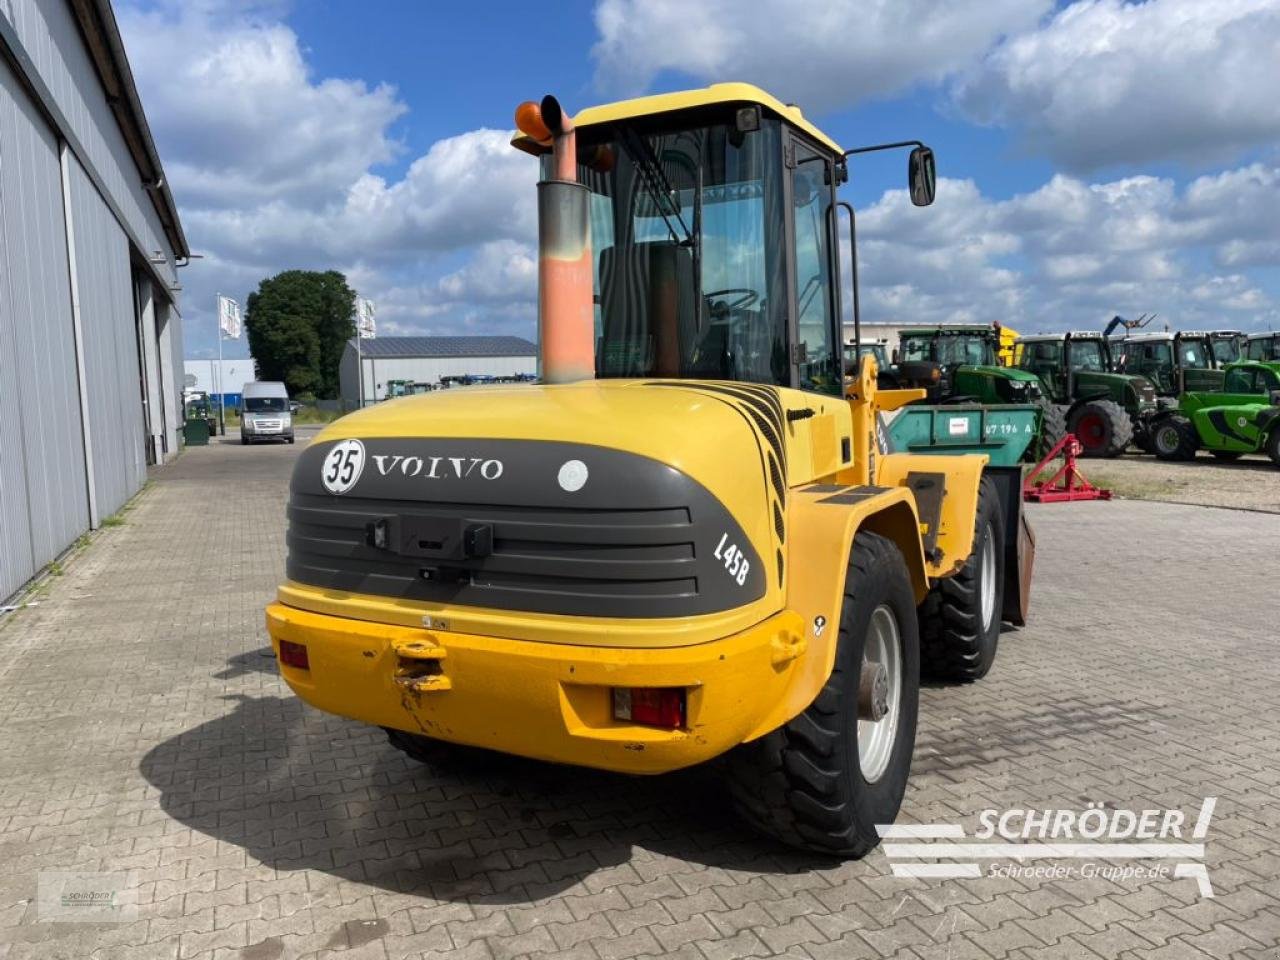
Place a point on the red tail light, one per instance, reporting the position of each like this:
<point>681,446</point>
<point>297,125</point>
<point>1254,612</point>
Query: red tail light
<point>294,655</point>
<point>652,706</point>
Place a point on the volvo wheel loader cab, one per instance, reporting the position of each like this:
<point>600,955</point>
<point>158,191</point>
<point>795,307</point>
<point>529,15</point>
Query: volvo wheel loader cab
<point>685,542</point>
<point>1104,409</point>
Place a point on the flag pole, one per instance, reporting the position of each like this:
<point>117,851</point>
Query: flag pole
<point>222,409</point>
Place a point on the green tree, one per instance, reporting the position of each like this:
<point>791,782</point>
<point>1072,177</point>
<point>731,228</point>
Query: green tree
<point>298,323</point>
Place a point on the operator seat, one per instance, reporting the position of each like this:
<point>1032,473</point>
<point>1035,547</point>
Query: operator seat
<point>646,301</point>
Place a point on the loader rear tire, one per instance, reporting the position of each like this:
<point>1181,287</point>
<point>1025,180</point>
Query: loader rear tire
<point>1102,427</point>
<point>1174,438</point>
<point>960,616</point>
<point>826,778</point>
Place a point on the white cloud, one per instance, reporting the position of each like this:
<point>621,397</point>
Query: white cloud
<point>1106,82</point>
<point>1069,254</point>
<point>276,168</point>
<point>243,121</point>
<point>466,190</point>
<point>821,55</point>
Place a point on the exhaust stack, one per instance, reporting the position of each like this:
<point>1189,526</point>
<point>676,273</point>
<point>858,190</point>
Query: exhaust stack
<point>566,314</point>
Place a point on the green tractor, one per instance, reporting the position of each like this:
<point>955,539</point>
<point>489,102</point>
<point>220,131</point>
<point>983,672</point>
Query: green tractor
<point>970,371</point>
<point>1104,409</point>
<point>854,352</point>
<point>1244,417</point>
<point>1262,346</point>
<point>1176,363</point>
<point>1227,345</point>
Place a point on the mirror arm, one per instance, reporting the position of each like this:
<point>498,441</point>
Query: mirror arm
<point>884,146</point>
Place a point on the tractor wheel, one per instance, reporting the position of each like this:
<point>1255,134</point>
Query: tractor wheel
<point>960,616</point>
<point>1226,456</point>
<point>1053,419</point>
<point>823,780</point>
<point>1174,438</point>
<point>1273,445</point>
<point>1102,427</point>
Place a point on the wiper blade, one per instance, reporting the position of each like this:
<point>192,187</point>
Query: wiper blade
<point>655,182</point>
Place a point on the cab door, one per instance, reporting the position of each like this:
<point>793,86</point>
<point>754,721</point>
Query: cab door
<point>815,353</point>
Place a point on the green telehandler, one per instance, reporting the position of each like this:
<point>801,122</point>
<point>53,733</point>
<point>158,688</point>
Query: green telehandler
<point>1243,417</point>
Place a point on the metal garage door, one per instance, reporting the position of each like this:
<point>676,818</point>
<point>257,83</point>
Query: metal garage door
<point>110,346</point>
<point>43,491</point>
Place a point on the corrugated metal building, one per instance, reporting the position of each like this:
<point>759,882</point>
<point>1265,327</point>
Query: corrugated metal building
<point>90,334</point>
<point>427,360</point>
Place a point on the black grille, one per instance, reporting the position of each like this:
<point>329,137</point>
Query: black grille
<point>653,559</point>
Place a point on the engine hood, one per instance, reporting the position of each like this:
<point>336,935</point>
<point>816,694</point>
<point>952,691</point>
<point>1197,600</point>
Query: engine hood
<point>690,429</point>
<point>607,498</point>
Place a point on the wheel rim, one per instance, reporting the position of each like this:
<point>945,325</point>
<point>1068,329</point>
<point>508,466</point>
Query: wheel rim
<point>987,577</point>
<point>1167,440</point>
<point>1090,431</point>
<point>876,738</point>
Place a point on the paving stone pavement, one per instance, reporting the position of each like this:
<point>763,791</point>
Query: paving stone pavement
<point>146,731</point>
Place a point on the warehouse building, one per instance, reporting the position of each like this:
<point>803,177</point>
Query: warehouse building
<point>90,335</point>
<point>428,360</point>
<point>227,381</point>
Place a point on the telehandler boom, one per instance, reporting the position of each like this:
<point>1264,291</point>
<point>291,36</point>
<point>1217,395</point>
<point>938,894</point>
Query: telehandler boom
<point>687,541</point>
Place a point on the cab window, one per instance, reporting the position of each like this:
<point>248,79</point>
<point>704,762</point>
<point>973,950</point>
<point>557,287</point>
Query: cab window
<point>915,348</point>
<point>1193,353</point>
<point>1085,355</point>
<point>811,199</point>
<point>1241,381</point>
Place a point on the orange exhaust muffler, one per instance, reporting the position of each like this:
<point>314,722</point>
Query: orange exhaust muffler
<point>566,313</point>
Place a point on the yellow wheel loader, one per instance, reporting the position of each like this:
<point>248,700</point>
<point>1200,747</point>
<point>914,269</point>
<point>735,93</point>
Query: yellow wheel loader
<point>688,541</point>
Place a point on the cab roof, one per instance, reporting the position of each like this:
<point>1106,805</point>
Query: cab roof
<point>928,330</point>
<point>1073,334</point>
<point>717,93</point>
<point>1261,336</point>
<point>1162,335</point>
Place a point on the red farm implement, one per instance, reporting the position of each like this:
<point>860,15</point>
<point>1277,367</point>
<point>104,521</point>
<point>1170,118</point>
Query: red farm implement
<point>1066,483</point>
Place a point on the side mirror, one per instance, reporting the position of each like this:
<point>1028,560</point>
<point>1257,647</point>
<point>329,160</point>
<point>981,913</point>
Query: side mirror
<point>922,176</point>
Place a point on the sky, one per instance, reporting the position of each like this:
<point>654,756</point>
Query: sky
<point>1094,157</point>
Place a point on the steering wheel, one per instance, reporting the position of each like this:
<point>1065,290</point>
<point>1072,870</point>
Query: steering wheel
<point>745,299</point>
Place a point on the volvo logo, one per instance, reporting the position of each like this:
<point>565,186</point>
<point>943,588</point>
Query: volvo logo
<point>438,468</point>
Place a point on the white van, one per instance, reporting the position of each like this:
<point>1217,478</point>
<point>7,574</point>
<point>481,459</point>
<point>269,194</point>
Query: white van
<point>264,412</point>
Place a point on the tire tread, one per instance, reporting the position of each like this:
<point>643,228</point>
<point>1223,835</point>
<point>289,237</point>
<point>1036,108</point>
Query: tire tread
<point>789,784</point>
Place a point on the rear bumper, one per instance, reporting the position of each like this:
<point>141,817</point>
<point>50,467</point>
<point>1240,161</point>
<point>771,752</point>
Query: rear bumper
<point>548,701</point>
